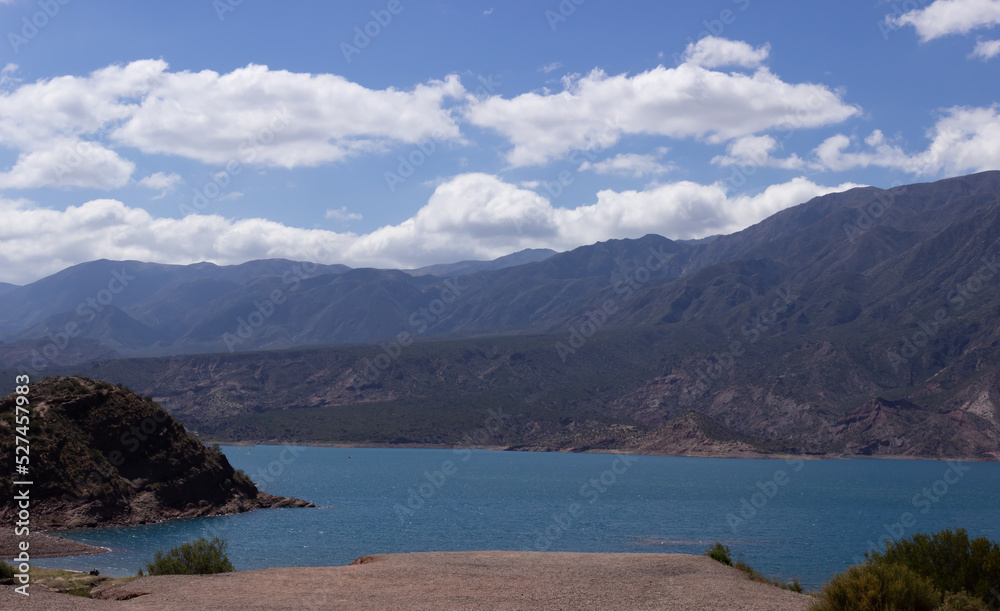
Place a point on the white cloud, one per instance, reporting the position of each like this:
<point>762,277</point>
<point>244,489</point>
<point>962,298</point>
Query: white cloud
<point>253,115</point>
<point>964,140</point>
<point>986,49</point>
<point>756,151</point>
<point>284,119</point>
<point>165,183</point>
<point>68,163</point>
<point>594,111</point>
<point>629,164</point>
<point>470,216</point>
<point>944,17</point>
<point>550,67</point>
<point>714,52</point>
<point>341,214</point>
<point>7,75</point>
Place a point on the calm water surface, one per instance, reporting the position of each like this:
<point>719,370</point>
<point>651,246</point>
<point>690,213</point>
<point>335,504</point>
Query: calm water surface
<point>813,519</point>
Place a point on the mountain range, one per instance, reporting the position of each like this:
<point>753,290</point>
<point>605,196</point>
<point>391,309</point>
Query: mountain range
<point>858,323</point>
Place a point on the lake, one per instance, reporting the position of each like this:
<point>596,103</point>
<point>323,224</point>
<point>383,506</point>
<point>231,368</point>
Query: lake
<point>809,519</point>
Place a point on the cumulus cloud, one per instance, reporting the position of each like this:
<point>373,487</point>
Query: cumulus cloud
<point>341,214</point>
<point>714,52</point>
<point>65,128</point>
<point>594,111</point>
<point>986,49</point>
<point>756,151</point>
<point>68,162</point>
<point>165,183</point>
<point>468,216</point>
<point>629,164</point>
<point>964,140</point>
<point>944,17</point>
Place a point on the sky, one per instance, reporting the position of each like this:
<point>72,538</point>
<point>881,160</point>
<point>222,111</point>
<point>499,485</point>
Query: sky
<point>403,133</point>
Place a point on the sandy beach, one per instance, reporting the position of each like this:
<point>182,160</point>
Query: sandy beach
<point>447,580</point>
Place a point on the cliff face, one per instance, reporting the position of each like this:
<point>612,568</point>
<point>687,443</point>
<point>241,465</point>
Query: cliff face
<point>102,455</point>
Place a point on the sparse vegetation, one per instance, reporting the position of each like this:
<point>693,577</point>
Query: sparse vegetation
<point>6,573</point>
<point>721,553</point>
<point>199,557</point>
<point>962,601</point>
<point>945,571</point>
<point>878,586</point>
<point>950,560</point>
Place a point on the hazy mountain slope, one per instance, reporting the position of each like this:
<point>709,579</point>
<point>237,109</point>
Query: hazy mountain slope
<point>878,339</point>
<point>445,270</point>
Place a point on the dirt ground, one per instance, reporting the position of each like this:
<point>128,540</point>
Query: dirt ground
<point>441,581</point>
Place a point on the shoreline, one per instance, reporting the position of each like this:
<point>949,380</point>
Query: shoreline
<point>42,544</point>
<point>735,456</point>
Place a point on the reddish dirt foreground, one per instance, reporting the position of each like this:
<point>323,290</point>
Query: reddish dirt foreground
<point>448,580</point>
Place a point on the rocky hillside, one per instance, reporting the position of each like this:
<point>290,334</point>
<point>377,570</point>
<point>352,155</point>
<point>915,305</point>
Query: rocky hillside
<point>102,455</point>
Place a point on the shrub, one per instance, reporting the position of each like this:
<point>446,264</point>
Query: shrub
<point>963,601</point>
<point>200,557</point>
<point>950,560</point>
<point>6,573</point>
<point>719,553</point>
<point>878,586</point>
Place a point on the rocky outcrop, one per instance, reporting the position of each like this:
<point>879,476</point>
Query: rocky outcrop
<point>102,455</point>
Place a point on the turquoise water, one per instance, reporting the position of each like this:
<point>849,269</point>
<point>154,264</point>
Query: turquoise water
<point>813,519</point>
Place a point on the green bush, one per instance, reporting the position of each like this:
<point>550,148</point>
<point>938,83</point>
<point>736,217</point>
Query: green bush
<point>950,560</point>
<point>878,586</point>
<point>6,573</point>
<point>719,553</point>
<point>963,601</point>
<point>201,557</point>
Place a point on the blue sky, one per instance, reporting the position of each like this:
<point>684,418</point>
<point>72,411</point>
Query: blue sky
<point>228,131</point>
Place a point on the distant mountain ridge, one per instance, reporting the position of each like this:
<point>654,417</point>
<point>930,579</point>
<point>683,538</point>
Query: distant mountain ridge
<point>529,255</point>
<point>858,323</point>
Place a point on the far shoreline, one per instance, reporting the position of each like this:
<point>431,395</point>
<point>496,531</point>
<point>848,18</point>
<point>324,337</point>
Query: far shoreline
<point>735,456</point>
